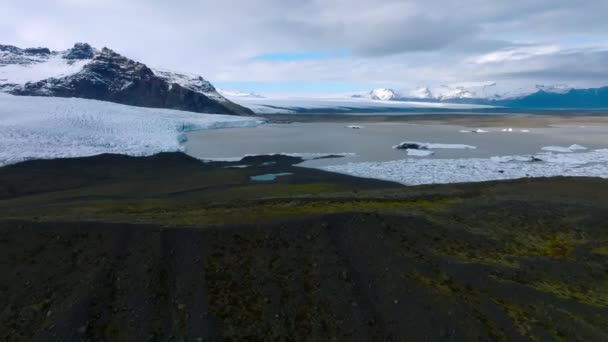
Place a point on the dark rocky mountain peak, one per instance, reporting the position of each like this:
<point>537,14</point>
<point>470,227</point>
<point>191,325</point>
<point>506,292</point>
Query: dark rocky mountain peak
<point>109,76</point>
<point>13,55</point>
<point>38,51</point>
<point>80,51</point>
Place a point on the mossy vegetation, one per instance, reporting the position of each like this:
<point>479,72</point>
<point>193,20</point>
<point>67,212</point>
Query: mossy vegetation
<point>317,255</point>
<point>601,250</point>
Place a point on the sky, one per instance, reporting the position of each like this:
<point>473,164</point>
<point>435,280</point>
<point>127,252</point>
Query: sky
<point>333,46</point>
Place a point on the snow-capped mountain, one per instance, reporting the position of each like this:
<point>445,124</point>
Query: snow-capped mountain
<point>483,93</point>
<point>446,93</point>
<point>384,94</point>
<point>379,94</point>
<point>554,88</point>
<point>85,72</point>
<point>239,94</point>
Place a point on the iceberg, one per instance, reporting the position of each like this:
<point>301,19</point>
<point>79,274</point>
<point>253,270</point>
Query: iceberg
<point>413,145</point>
<point>569,149</point>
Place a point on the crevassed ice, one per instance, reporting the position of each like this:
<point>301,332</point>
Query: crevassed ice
<point>46,127</point>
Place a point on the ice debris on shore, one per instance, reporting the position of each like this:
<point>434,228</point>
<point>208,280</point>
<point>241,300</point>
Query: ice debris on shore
<point>412,171</point>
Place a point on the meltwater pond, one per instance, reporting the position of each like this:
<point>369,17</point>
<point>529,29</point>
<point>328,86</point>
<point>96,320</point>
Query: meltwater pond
<point>373,142</point>
<point>268,177</point>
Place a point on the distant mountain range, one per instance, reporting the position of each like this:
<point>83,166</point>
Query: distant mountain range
<point>86,72</point>
<point>540,96</point>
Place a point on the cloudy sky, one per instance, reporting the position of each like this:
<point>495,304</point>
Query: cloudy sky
<point>333,46</point>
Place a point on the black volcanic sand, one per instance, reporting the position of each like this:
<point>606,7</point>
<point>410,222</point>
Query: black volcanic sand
<point>168,248</point>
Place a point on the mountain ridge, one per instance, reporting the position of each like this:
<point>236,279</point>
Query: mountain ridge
<point>543,96</point>
<point>105,75</point>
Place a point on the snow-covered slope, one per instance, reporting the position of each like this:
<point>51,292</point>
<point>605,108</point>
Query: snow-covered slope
<point>383,94</point>
<point>379,94</point>
<point>85,72</point>
<point>191,82</point>
<point>48,127</point>
<point>19,66</point>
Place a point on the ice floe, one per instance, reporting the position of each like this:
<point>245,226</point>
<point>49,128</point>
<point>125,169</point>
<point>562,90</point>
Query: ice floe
<point>436,171</point>
<point>479,130</point>
<point>419,153</point>
<point>414,145</point>
<point>47,127</point>
<point>561,149</point>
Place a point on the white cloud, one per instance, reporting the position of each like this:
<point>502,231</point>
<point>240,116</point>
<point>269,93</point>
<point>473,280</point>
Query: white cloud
<point>392,42</point>
<point>517,54</point>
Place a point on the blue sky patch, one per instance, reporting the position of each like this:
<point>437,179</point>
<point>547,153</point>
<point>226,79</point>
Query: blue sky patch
<point>302,55</point>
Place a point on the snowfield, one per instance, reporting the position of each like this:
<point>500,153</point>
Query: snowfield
<point>48,127</point>
<point>40,69</point>
<point>438,171</point>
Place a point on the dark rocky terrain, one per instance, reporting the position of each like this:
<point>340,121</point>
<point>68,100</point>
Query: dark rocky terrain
<point>109,76</point>
<point>163,248</point>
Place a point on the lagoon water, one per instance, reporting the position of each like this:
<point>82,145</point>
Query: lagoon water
<point>374,141</point>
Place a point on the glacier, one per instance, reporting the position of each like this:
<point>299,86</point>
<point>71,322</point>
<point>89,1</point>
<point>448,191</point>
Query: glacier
<point>49,127</point>
<point>340,105</point>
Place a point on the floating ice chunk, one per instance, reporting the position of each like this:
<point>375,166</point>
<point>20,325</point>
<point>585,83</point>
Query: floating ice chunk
<point>576,147</point>
<point>413,145</point>
<point>569,149</point>
<point>419,153</point>
<point>479,130</point>
<point>557,149</point>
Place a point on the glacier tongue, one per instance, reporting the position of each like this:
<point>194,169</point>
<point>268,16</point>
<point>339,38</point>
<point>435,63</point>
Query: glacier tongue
<point>47,127</point>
